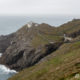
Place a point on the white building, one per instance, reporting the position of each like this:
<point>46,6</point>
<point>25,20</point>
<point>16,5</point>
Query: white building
<point>31,23</point>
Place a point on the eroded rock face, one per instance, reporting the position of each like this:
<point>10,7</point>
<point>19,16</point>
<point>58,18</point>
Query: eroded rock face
<point>21,53</point>
<point>21,58</point>
<point>5,42</point>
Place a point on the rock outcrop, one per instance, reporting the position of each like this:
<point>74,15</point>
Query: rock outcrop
<point>29,46</point>
<point>5,42</point>
<point>32,42</point>
<point>33,46</point>
<point>28,56</point>
<point>74,34</point>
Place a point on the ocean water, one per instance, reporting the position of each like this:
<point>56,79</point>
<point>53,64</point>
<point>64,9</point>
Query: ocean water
<point>10,24</point>
<point>5,72</point>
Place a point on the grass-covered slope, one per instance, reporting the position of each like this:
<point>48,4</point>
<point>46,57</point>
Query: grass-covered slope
<point>70,27</point>
<point>40,35</point>
<point>64,64</point>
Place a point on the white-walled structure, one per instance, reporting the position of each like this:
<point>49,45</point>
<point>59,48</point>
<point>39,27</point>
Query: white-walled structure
<point>31,23</point>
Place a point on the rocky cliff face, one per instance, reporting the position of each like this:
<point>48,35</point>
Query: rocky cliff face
<point>44,45</point>
<point>19,59</point>
<point>60,64</point>
<point>5,42</point>
<point>39,44</point>
<point>29,46</point>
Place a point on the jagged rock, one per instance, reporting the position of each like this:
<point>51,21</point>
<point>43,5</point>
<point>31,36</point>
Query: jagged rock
<point>61,64</point>
<point>22,52</point>
<point>21,58</point>
<point>5,42</point>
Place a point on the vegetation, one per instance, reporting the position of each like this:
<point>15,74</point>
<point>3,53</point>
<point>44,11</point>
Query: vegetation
<point>69,27</point>
<point>42,39</point>
<point>65,63</point>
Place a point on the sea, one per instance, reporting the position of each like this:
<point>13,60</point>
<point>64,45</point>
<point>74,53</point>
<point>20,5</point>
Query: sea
<point>10,24</point>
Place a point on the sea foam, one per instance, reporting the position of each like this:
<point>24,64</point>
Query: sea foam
<point>5,72</point>
<point>4,69</point>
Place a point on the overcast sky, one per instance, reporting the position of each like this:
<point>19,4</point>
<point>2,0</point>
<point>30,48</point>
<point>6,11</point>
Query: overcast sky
<point>39,7</point>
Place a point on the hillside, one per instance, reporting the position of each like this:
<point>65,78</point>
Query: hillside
<point>39,52</point>
<point>30,45</point>
<point>64,64</point>
<point>72,28</point>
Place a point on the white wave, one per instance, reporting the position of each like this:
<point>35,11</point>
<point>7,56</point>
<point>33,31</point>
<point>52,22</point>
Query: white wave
<point>5,72</point>
<point>4,69</point>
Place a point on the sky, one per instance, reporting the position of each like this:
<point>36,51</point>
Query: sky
<point>39,7</point>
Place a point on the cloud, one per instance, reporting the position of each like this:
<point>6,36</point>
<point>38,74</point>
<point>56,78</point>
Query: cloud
<point>39,7</point>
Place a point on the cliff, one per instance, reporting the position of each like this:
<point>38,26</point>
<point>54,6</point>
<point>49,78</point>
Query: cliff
<point>39,52</point>
<point>63,64</point>
<point>5,42</point>
<point>30,45</point>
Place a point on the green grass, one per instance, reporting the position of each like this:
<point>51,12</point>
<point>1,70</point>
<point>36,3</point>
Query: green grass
<point>69,27</point>
<point>60,67</point>
<point>63,64</point>
<point>43,39</point>
<point>38,40</point>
